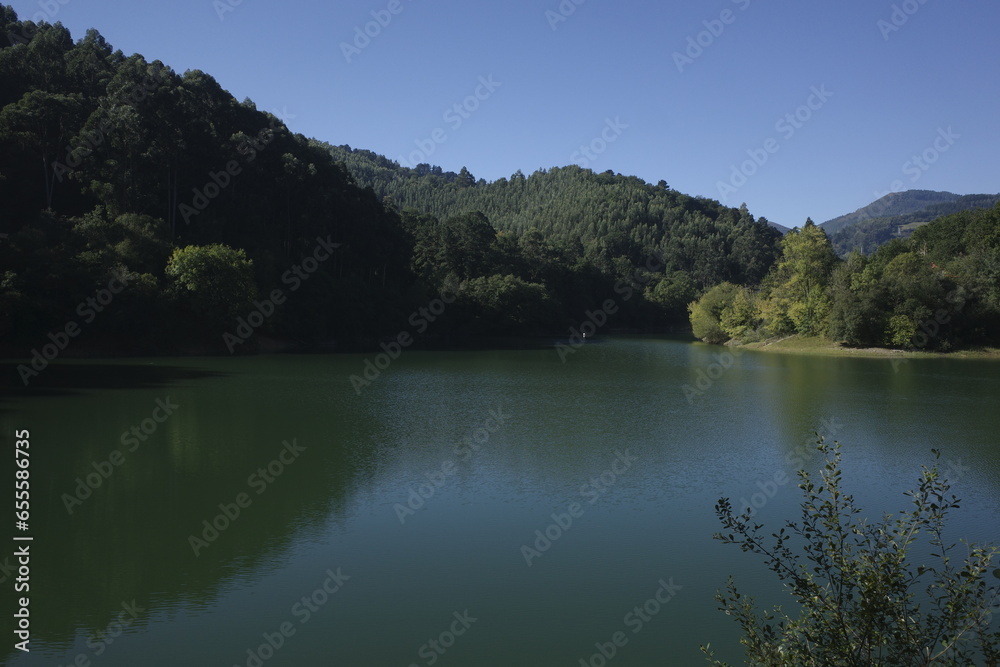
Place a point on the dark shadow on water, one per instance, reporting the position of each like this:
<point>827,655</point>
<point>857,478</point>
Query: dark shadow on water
<point>481,343</point>
<point>66,379</point>
<point>485,343</point>
<point>130,536</point>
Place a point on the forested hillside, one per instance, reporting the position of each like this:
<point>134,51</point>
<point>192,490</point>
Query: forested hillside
<point>112,165</point>
<point>866,236</point>
<point>146,210</point>
<point>606,214</point>
<point>894,203</point>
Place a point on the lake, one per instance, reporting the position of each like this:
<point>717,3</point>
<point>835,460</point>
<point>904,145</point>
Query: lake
<point>514,507</point>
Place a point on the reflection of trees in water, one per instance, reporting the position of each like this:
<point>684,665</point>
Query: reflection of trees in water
<point>129,539</point>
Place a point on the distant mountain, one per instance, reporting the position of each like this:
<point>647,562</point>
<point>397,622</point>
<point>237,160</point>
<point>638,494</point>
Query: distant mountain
<point>894,203</point>
<point>780,228</point>
<point>867,234</point>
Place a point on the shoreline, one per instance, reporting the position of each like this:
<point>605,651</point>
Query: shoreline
<point>821,347</point>
<point>794,344</point>
<point>262,345</point>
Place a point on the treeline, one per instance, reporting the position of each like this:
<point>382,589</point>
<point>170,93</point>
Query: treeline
<point>937,290</point>
<point>150,211</point>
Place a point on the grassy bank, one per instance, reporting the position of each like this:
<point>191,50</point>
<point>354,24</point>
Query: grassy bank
<point>823,347</point>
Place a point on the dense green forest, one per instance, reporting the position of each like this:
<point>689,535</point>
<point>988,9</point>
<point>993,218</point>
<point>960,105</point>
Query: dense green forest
<point>150,211</point>
<point>867,234</point>
<point>569,204</point>
<point>937,290</point>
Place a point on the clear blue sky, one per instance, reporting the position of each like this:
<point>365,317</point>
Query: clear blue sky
<point>892,91</point>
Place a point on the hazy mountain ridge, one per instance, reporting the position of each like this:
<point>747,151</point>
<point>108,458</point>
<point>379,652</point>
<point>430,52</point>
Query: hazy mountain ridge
<point>898,216</point>
<point>894,203</point>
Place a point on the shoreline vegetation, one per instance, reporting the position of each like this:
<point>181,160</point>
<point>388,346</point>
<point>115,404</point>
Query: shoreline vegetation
<point>936,292</point>
<point>818,346</point>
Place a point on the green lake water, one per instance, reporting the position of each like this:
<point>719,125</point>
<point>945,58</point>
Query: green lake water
<point>398,526</point>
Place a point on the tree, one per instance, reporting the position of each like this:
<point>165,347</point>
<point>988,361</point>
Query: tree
<point>861,602</point>
<point>538,257</point>
<point>41,123</point>
<point>508,304</point>
<point>741,318</point>
<point>673,293</point>
<point>856,314</point>
<point>90,65</point>
<point>465,179</point>
<point>800,280</point>
<point>914,291</point>
<point>707,312</point>
<point>755,248</point>
<point>139,242</point>
<point>466,245</point>
<point>216,282</point>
